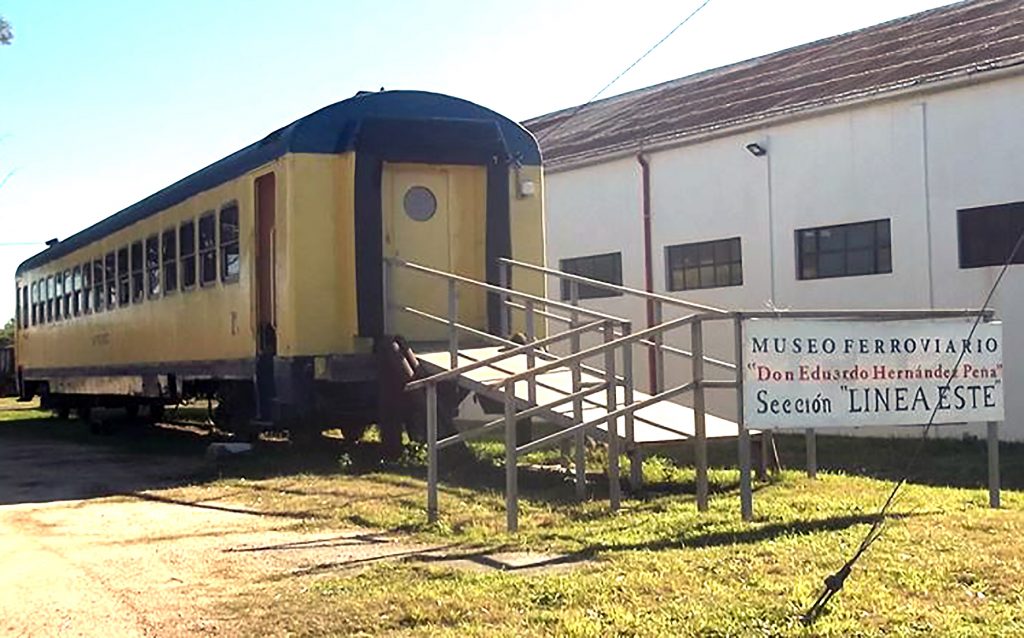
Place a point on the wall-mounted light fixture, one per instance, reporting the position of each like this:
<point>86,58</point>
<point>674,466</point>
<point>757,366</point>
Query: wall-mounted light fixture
<point>756,149</point>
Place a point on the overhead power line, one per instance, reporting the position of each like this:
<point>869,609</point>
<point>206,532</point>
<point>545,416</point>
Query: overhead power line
<point>545,134</point>
<point>834,582</point>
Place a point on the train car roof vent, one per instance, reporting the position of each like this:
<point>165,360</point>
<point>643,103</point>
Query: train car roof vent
<point>50,243</point>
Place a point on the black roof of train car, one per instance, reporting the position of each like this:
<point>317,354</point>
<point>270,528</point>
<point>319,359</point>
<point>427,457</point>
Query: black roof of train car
<point>332,129</point>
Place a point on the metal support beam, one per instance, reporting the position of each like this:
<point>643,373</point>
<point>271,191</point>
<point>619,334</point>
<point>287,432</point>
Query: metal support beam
<point>812,453</point>
<point>993,464</point>
<point>432,453</point>
<point>504,315</point>
<point>580,446</point>
<point>746,489</point>
<point>511,460</point>
<point>700,441</point>
<point>611,404</point>
<point>636,460</point>
<point>658,382</point>
<point>453,324</point>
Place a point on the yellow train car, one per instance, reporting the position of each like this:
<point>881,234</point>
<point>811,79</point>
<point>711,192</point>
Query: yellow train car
<point>260,279</point>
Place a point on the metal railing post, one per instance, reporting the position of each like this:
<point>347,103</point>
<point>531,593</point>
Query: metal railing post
<point>811,444</point>
<point>504,316</point>
<point>432,453</point>
<point>746,489</point>
<point>580,446</point>
<point>993,464</point>
<point>658,382</point>
<point>635,459</point>
<point>700,434</point>
<point>453,326</point>
<point>511,476</point>
<point>611,404</point>
<point>531,358</point>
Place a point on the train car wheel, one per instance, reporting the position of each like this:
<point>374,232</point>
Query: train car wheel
<point>63,411</point>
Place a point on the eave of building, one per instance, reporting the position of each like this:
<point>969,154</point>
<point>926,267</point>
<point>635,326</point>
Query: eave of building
<point>974,74</point>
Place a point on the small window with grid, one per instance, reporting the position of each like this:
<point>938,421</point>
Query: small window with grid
<point>187,246</point>
<point>846,250</point>
<point>153,266</point>
<point>606,267</point>
<point>230,258</point>
<point>706,264</point>
<point>169,241</point>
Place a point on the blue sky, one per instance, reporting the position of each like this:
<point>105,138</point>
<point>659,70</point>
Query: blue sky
<point>103,103</point>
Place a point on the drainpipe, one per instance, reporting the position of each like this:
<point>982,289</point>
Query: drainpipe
<point>645,175</point>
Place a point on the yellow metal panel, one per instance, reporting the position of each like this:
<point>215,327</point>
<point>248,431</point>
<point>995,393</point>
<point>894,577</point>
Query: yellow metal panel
<point>526,213</point>
<point>316,256</point>
<point>202,324</point>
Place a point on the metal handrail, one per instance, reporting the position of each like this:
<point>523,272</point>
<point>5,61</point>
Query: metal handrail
<point>519,349</point>
<point>653,296</point>
<point>608,345</point>
<point>499,289</point>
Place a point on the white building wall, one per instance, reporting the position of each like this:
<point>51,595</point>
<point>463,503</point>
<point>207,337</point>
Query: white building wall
<point>915,161</point>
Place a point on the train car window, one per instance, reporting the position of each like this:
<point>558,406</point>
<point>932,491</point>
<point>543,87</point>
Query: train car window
<point>170,255</point>
<point>35,301</point>
<point>86,287</point>
<point>124,283</point>
<point>58,296</point>
<point>138,278</point>
<point>153,266</point>
<point>24,307</point>
<point>230,259</point>
<point>207,249</point>
<point>110,268</point>
<point>18,312</point>
<point>76,291</point>
<point>187,246</point>
<point>49,299</point>
<point>98,289</point>
<point>67,293</point>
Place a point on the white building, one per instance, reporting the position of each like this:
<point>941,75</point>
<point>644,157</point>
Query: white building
<point>888,172</point>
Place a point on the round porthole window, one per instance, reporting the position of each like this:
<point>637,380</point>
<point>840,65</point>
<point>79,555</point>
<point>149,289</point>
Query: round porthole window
<point>420,203</point>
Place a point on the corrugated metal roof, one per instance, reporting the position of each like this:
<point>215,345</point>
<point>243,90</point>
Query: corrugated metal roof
<point>957,40</point>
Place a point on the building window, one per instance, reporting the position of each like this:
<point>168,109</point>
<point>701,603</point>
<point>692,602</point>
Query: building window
<point>97,283</point>
<point>86,287</point>
<point>845,250</point>
<point>170,255</point>
<point>706,264</point>
<point>607,268</point>
<point>76,291</point>
<point>49,299</point>
<point>230,260</point>
<point>111,274</point>
<point>123,278</point>
<point>988,234</point>
<point>187,245</point>
<point>138,277</point>
<point>207,249</point>
<point>153,266</point>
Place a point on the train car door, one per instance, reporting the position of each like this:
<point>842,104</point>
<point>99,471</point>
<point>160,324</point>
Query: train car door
<point>266,293</point>
<point>434,215</point>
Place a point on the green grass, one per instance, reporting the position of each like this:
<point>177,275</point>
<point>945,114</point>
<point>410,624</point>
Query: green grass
<point>946,566</point>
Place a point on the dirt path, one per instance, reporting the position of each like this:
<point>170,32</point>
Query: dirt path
<point>78,560</point>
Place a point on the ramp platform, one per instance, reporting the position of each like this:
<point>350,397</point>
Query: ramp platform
<point>662,423</point>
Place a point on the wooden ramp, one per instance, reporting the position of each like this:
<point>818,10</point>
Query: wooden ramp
<point>662,423</point>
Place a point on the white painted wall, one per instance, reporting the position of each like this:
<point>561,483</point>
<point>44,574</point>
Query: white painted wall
<point>915,161</point>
